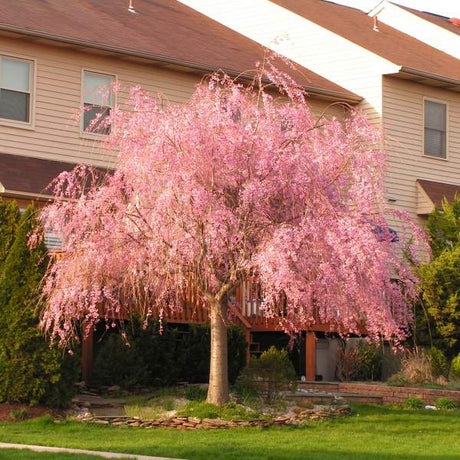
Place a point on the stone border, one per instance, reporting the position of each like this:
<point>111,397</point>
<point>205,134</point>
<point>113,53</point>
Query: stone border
<point>193,423</point>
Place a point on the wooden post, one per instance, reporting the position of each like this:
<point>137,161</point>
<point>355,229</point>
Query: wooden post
<point>247,334</point>
<point>310,351</point>
<point>87,354</point>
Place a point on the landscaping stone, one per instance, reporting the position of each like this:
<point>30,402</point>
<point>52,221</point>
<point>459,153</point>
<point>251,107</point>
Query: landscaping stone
<point>193,423</point>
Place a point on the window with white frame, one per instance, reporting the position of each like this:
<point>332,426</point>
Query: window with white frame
<point>435,129</point>
<point>97,101</point>
<point>15,89</point>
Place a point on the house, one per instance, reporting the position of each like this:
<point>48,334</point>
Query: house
<point>54,54</point>
<point>404,63</point>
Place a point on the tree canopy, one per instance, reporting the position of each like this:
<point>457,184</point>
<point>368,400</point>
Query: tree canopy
<point>234,183</point>
<point>441,277</point>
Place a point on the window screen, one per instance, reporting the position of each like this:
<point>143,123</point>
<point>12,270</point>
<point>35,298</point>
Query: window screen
<point>435,129</point>
<point>97,102</point>
<point>15,89</point>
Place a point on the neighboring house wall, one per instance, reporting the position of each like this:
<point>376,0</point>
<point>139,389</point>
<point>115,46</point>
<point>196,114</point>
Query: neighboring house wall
<point>55,134</point>
<point>403,105</point>
<point>419,28</point>
<point>306,43</point>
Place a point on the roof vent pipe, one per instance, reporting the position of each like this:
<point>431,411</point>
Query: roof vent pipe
<point>376,25</point>
<point>131,7</point>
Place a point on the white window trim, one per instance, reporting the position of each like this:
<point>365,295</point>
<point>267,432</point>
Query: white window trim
<point>438,101</point>
<point>83,134</point>
<point>30,125</point>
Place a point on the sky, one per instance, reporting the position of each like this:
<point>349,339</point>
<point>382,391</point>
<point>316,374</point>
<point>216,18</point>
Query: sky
<point>449,8</point>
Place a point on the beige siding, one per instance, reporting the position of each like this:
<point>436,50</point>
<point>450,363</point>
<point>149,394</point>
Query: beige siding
<point>56,133</point>
<point>403,122</point>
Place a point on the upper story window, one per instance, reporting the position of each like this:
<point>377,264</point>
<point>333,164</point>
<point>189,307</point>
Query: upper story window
<point>97,101</point>
<point>435,129</point>
<point>15,89</point>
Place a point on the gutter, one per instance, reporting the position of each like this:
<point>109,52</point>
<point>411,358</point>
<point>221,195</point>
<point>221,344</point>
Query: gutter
<point>163,59</point>
<point>432,76</point>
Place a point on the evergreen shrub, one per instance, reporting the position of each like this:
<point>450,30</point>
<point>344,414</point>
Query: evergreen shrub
<point>151,358</point>
<point>455,369</point>
<point>268,376</point>
<point>438,362</point>
<point>30,370</point>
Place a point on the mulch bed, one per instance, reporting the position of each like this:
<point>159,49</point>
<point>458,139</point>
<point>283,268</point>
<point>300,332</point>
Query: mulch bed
<point>31,412</point>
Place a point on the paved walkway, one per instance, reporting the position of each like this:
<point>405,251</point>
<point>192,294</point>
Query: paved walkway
<point>5,445</point>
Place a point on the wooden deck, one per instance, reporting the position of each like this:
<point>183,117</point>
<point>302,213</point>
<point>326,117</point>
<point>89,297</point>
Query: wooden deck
<point>246,313</point>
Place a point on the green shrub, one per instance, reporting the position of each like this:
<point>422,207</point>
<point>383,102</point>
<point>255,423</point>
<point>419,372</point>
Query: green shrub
<point>229,411</point>
<point>360,362</point>
<point>200,409</point>
<point>399,380</point>
<point>195,393</point>
<point>268,375</point>
<point>413,403</point>
<point>154,359</point>
<point>445,403</point>
<point>18,414</point>
<point>117,363</point>
<point>30,371</point>
<point>455,369</point>
<point>438,362</point>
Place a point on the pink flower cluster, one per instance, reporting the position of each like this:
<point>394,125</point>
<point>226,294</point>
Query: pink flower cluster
<point>237,182</point>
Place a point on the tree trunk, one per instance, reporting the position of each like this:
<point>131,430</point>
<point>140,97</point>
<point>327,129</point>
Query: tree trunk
<point>218,370</point>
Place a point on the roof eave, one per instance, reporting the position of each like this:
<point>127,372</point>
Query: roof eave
<point>202,68</point>
<point>450,83</point>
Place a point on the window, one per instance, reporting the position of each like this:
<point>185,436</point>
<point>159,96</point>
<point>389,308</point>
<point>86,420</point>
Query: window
<point>53,240</point>
<point>15,89</point>
<point>97,101</point>
<point>435,129</point>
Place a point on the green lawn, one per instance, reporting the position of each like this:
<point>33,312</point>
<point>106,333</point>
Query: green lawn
<point>372,433</point>
<point>13,454</point>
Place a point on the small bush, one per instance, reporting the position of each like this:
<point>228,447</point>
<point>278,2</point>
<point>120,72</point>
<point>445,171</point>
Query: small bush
<point>438,362</point>
<point>18,414</point>
<point>195,393</point>
<point>455,369</point>
<point>416,366</point>
<point>413,403</point>
<point>445,403</point>
<point>399,380</point>
<point>360,362</point>
<point>229,411</point>
<point>268,375</point>
<point>200,409</point>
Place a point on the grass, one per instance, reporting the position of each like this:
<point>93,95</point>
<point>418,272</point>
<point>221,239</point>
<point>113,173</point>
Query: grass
<point>230,411</point>
<point>15,454</point>
<point>374,432</point>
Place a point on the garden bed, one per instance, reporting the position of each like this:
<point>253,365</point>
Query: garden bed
<point>194,423</point>
<point>20,412</point>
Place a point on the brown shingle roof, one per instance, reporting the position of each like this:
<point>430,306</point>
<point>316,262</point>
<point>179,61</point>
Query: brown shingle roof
<point>162,30</point>
<point>29,175</point>
<point>389,43</point>
<point>437,191</point>
<point>435,19</point>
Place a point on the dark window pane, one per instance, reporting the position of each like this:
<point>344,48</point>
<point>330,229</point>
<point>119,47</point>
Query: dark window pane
<point>91,112</point>
<point>14,105</point>
<point>435,143</point>
<point>435,115</point>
